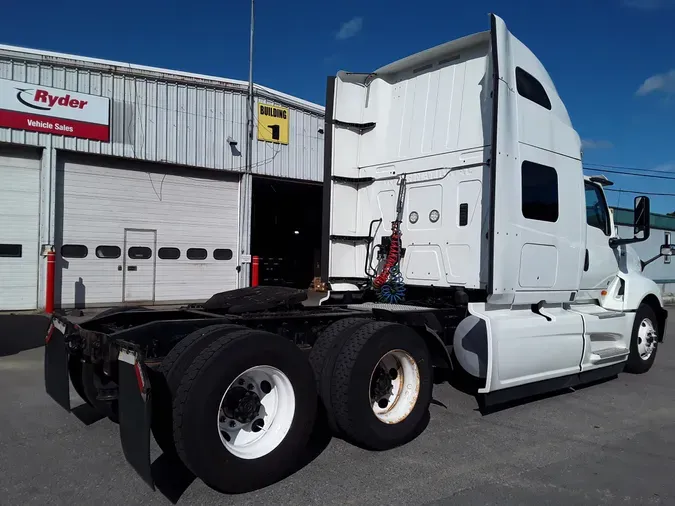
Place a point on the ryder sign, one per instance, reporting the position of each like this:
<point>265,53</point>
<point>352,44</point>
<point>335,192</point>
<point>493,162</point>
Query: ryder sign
<point>38,108</point>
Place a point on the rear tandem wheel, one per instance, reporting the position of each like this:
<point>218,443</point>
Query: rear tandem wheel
<point>244,411</point>
<point>376,383</point>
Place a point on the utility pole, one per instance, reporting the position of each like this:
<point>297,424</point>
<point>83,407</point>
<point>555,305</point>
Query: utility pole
<point>246,187</point>
<point>250,113</point>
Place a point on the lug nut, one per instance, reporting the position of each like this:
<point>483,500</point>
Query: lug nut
<point>233,423</point>
<point>241,381</point>
<point>250,386</point>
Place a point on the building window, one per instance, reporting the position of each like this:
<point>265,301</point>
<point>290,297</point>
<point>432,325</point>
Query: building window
<point>222,254</point>
<point>540,192</point>
<point>139,252</point>
<point>11,250</point>
<point>74,251</point>
<point>168,253</point>
<point>531,89</point>
<point>108,252</point>
<point>196,254</point>
<point>597,214</point>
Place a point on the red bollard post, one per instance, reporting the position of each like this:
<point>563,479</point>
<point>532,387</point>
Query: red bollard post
<point>255,270</point>
<point>51,268</point>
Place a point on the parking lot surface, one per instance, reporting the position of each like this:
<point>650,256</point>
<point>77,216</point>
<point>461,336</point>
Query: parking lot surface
<point>609,443</point>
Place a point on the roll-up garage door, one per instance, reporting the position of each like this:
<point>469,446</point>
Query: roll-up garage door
<point>19,228</point>
<point>141,233</point>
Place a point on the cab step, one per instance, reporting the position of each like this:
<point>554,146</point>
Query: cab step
<point>609,354</point>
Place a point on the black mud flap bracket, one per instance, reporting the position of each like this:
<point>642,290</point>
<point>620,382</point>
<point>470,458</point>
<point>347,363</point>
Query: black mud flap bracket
<point>135,411</point>
<point>57,379</point>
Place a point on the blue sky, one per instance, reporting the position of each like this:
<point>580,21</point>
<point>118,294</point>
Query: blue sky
<point>613,61</point>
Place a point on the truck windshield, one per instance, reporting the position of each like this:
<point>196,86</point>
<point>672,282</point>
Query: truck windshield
<point>597,214</point>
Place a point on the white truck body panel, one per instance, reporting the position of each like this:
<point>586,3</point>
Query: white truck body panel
<point>432,115</point>
<point>433,121</point>
<point>485,143</point>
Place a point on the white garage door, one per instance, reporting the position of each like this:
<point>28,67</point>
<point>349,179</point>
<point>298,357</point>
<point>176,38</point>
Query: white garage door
<point>19,234</point>
<point>137,233</point>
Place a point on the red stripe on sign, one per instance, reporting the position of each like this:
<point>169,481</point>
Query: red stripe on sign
<point>56,126</point>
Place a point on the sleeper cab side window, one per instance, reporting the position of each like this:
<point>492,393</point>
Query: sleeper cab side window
<point>539,192</point>
<point>531,89</point>
<point>596,209</point>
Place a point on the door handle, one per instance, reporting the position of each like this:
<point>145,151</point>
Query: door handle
<point>586,262</point>
<point>119,267</point>
<point>132,268</point>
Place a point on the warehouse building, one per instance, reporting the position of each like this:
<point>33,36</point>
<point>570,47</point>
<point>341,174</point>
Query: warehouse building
<point>136,179</point>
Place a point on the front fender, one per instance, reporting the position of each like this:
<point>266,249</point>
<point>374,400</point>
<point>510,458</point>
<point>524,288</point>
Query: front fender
<point>638,288</point>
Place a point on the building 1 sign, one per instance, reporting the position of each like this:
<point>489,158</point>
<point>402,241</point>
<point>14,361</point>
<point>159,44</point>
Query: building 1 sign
<point>37,108</point>
<point>273,123</point>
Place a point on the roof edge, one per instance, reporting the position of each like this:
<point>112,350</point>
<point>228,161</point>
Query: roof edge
<point>112,66</point>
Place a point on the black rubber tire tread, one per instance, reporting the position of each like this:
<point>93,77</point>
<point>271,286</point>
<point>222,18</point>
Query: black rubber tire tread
<point>203,453</point>
<point>635,364</point>
<point>188,341</point>
<point>322,359</point>
<point>352,409</point>
<point>166,379</point>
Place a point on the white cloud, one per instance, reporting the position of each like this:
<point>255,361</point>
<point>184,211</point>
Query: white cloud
<point>350,28</point>
<point>665,167</point>
<point>659,82</point>
<point>648,5</point>
<point>592,144</point>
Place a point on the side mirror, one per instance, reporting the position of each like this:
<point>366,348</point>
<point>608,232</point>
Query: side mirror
<point>641,223</point>
<point>666,248</point>
<point>641,218</point>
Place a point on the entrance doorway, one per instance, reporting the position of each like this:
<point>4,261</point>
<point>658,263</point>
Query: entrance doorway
<point>139,265</point>
<point>286,231</point>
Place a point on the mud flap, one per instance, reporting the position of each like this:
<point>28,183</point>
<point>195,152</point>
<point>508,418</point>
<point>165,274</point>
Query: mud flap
<point>135,412</point>
<point>57,380</point>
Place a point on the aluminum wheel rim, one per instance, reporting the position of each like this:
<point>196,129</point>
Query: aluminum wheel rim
<point>646,339</point>
<point>267,429</point>
<point>394,404</point>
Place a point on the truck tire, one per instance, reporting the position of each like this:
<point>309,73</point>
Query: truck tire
<point>644,341</point>
<point>322,359</point>
<point>382,385</point>
<point>166,379</point>
<point>240,379</point>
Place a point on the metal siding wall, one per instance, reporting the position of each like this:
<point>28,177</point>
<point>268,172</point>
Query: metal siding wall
<point>302,158</point>
<point>176,123</point>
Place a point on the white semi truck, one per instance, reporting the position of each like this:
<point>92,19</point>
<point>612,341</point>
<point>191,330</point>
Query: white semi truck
<point>460,237</point>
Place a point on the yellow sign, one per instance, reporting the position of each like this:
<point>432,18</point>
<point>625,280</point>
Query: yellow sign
<point>272,123</point>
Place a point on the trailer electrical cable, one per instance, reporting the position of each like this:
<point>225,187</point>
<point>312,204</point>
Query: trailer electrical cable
<point>389,284</point>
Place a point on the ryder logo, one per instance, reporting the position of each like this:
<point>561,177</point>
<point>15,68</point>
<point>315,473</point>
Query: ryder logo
<point>34,107</point>
<point>42,100</point>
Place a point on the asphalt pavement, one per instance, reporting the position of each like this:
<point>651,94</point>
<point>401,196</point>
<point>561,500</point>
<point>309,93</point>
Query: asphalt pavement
<point>609,443</point>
